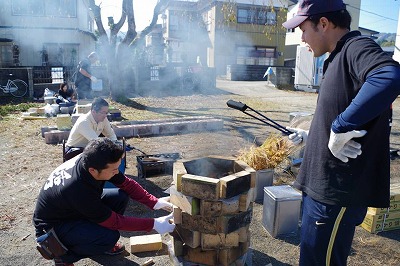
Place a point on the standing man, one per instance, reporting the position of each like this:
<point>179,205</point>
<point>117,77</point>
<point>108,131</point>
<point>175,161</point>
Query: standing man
<point>74,206</point>
<point>89,126</point>
<point>345,168</point>
<point>84,77</point>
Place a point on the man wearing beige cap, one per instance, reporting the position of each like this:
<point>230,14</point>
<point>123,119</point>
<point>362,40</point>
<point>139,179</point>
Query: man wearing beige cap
<point>345,168</point>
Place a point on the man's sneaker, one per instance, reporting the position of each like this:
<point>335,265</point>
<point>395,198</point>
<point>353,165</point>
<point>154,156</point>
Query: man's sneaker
<point>117,249</point>
<point>59,262</point>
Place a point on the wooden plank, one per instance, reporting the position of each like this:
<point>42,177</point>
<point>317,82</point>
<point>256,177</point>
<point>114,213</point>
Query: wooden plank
<point>145,243</point>
<point>235,184</point>
<point>200,187</point>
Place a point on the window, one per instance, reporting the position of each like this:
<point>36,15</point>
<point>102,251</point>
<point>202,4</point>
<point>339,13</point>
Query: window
<point>255,55</point>
<point>28,7</point>
<point>256,16</point>
<point>49,8</point>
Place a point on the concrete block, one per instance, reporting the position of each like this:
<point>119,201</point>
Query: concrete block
<point>123,131</point>
<point>47,129</point>
<point>55,136</point>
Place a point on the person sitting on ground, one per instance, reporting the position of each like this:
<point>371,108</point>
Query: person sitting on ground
<point>89,126</point>
<point>85,217</point>
<point>66,95</point>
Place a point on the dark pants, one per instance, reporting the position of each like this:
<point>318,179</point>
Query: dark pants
<point>85,239</point>
<point>84,90</point>
<point>327,232</point>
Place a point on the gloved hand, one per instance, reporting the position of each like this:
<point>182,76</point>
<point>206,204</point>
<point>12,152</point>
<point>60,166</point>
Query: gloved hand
<point>299,135</point>
<point>93,78</point>
<point>343,147</point>
<point>163,203</point>
<point>163,225</point>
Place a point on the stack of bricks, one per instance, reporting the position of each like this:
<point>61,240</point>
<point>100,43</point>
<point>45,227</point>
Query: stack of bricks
<point>213,198</point>
<point>384,219</point>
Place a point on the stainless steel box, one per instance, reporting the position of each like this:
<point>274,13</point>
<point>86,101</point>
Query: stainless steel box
<point>264,178</point>
<point>281,210</point>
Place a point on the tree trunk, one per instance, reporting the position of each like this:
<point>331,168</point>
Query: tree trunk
<point>120,61</point>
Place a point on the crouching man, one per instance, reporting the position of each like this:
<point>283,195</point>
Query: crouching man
<point>75,210</point>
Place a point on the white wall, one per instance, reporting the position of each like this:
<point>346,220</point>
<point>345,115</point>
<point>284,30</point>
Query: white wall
<point>396,55</point>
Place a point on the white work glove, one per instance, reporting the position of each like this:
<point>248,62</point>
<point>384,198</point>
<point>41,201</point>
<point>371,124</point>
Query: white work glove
<point>299,135</point>
<point>343,147</point>
<point>93,78</point>
<point>163,203</point>
<point>163,225</point>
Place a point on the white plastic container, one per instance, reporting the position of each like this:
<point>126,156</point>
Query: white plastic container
<point>281,210</point>
<point>98,85</point>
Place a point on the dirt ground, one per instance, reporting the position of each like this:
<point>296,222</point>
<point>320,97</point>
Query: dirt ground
<point>26,161</point>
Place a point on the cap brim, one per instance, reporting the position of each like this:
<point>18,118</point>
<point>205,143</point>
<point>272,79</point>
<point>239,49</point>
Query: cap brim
<point>294,22</point>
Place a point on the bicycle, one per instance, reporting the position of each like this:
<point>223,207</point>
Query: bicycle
<point>17,87</point>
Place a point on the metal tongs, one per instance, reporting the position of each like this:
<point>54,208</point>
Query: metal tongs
<point>243,107</point>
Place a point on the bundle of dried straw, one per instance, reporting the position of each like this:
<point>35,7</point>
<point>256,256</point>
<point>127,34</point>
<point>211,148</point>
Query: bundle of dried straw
<point>270,154</point>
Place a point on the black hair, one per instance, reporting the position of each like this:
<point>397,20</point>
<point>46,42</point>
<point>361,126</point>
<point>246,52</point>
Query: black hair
<point>63,84</point>
<point>98,103</point>
<point>341,18</point>
<point>99,152</point>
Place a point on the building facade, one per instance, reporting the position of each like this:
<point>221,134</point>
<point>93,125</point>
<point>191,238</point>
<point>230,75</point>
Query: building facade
<point>219,34</point>
<point>45,33</point>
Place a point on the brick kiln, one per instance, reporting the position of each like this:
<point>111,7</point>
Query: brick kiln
<point>214,198</point>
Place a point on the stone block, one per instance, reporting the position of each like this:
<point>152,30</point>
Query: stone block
<point>55,136</point>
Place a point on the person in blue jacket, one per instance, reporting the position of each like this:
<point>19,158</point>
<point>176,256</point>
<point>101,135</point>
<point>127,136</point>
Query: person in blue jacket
<point>345,168</point>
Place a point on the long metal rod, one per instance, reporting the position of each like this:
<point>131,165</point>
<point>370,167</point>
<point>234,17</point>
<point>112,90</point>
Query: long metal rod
<point>277,126</point>
<point>283,130</point>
